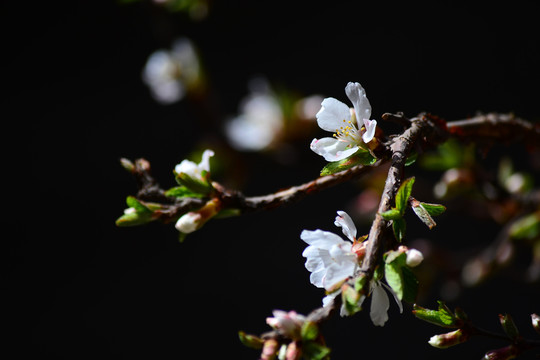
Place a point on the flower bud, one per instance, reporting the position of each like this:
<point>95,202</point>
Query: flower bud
<point>505,353</point>
<point>270,349</point>
<point>294,351</point>
<point>414,258</point>
<point>444,341</point>
<point>194,220</point>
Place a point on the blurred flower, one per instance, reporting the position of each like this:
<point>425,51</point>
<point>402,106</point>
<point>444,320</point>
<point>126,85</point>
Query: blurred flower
<point>170,74</point>
<point>193,170</point>
<point>260,120</point>
<point>289,324</point>
<point>351,128</point>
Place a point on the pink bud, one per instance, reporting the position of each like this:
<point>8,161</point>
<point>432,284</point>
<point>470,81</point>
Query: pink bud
<point>444,341</point>
<point>270,349</point>
<point>505,353</point>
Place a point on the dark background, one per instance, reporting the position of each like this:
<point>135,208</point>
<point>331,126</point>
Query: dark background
<point>78,287</point>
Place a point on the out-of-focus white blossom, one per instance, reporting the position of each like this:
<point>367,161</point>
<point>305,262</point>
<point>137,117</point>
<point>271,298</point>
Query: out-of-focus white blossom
<point>260,119</point>
<point>351,127</point>
<point>193,170</point>
<point>288,324</point>
<point>170,74</point>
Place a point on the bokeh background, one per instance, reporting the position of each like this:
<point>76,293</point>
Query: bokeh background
<point>78,287</point>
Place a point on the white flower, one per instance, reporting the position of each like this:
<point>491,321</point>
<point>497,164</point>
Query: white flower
<point>329,258</point>
<point>260,119</point>
<point>287,323</point>
<point>170,73</point>
<point>335,116</point>
<point>193,170</point>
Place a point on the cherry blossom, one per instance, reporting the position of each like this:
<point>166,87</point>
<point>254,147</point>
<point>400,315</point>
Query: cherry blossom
<point>351,127</point>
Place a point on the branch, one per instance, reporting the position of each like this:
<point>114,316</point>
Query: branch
<point>401,146</point>
<point>235,199</point>
<point>496,127</point>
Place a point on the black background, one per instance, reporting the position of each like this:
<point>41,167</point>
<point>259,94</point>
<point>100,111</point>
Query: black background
<point>78,287</point>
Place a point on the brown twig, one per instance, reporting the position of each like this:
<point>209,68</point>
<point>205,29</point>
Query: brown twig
<point>401,147</point>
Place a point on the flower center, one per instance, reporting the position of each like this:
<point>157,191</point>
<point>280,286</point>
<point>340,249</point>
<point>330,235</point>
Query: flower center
<point>348,132</point>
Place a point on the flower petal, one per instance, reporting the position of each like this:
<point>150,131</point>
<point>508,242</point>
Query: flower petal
<point>321,238</point>
<point>379,305</point>
<point>205,162</point>
<point>357,95</point>
<point>332,114</point>
<point>344,221</point>
<point>332,149</point>
<point>370,126</point>
<point>398,302</point>
<point>336,273</point>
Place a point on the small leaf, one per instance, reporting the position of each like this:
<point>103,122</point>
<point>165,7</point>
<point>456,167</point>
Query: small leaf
<point>433,209</point>
<point>351,299</point>
<point>198,186</point>
<point>251,341</point>
<point>182,192</point>
<point>315,351</point>
<point>134,219</point>
<point>399,226</point>
<point>410,285</point>
<point>132,202</point>
<point>527,227</point>
<point>394,278</point>
<point>509,326</point>
<point>442,317</point>
<point>424,215</point>
<point>391,214</point>
<point>411,159</point>
<point>309,330</point>
<point>403,193</point>
<point>361,157</point>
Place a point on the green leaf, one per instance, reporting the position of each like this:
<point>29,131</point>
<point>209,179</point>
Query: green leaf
<point>351,299</point>
<point>509,326</point>
<point>134,219</point>
<point>433,209</point>
<point>449,155</point>
<point>442,317</point>
<point>399,276</point>
<point>251,341</point>
<point>403,193</point>
<point>315,351</point>
<point>410,284</point>
<point>198,186</point>
<point>132,202</point>
<point>528,227</point>
<point>361,157</point>
<point>391,214</point>
<point>182,192</point>
<point>411,159</point>
<point>424,215</point>
<point>309,330</point>
<point>394,278</point>
<point>399,226</point>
